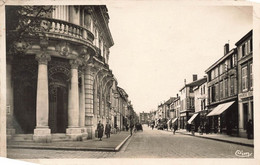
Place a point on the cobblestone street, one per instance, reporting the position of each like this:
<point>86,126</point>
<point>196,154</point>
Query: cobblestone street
<point>147,144</point>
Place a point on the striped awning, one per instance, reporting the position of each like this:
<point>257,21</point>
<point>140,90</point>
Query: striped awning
<point>173,121</point>
<point>220,108</point>
<point>192,118</point>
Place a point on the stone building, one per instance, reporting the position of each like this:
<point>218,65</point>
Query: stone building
<point>200,103</point>
<point>187,101</point>
<point>144,117</point>
<point>176,109</point>
<point>62,84</point>
<point>245,81</point>
<point>222,93</point>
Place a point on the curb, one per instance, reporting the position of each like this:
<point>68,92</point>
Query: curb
<point>72,148</point>
<point>222,140</point>
<point>122,143</point>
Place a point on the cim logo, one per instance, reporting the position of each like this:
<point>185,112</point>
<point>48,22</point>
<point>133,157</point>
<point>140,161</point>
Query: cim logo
<point>242,154</point>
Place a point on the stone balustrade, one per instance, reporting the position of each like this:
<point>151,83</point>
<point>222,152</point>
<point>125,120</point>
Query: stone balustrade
<point>60,27</point>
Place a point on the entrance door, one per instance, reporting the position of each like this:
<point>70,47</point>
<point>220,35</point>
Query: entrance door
<point>58,108</point>
<point>245,114</point>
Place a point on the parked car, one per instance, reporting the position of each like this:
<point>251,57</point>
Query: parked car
<point>138,127</point>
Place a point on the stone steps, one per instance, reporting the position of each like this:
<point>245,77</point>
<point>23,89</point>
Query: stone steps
<point>59,137</point>
<point>22,137</point>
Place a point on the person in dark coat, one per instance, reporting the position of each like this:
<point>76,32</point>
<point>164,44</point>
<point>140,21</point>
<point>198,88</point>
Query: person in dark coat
<point>108,130</point>
<point>131,126</point>
<point>192,128</point>
<point>100,129</point>
<point>249,129</point>
<point>174,128</point>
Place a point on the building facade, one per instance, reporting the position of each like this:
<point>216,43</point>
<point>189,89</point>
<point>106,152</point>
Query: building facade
<point>245,82</point>
<point>144,117</point>
<point>200,103</point>
<point>222,93</point>
<point>61,83</point>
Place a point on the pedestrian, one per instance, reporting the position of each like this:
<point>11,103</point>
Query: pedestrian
<point>206,128</point>
<point>192,128</point>
<point>108,130</point>
<point>100,129</point>
<point>131,126</point>
<point>174,128</point>
<point>152,126</point>
<point>200,129</point>
<point>249,129</point>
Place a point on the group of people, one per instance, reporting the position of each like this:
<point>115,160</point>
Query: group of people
<point>100,130</point>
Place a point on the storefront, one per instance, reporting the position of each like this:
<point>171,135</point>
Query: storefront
<point>224,118</point>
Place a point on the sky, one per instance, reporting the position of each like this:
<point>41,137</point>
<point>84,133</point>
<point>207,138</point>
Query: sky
<point>158,45</point>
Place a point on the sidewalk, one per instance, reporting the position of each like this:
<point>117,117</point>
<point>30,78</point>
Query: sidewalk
<point>113,144</point>
<point>221,137</point>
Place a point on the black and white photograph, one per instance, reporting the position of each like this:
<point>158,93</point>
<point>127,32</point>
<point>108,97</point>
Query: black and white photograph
<point>128,80</point>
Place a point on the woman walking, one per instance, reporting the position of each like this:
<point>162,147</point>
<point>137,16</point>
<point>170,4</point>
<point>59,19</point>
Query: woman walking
<point>100,129</point>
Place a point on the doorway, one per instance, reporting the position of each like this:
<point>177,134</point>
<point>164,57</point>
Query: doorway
<point>58,108</point>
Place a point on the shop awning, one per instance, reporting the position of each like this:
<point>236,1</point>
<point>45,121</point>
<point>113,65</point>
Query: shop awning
<point>220,108</point>
<point>173,121</point>
<point>169,121</point>
<point>192,118</point>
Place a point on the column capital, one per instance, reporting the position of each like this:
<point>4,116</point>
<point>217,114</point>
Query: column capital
<point>43,58</point>
<point>75,63</point>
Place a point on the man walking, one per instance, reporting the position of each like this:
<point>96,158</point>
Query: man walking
<point>174,128</point>
<point>108,130</point>
<point>131,126</point>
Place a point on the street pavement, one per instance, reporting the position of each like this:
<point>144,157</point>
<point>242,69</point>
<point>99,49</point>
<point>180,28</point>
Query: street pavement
<point>149,144</point>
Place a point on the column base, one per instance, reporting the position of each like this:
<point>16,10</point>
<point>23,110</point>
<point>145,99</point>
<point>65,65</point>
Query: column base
<point>84,133</point>
<point>42,135</point>
<point>9,133</point>
<point>91,132</point>
<point>74,134</point>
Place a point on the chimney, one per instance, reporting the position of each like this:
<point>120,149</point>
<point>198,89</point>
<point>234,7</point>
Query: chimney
<point>177,95</point>
<point>184,81</point>
<point>194,77</point>
<point>226,48</point>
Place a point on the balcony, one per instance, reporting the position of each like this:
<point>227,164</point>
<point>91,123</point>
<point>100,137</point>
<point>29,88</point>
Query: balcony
<point>63,29</point>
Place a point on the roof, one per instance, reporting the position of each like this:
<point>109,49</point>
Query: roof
<point>196,83</point>
<point>122,92</point>
<point>244,37</point>
<point>170,100</point>
<point>221,59</point>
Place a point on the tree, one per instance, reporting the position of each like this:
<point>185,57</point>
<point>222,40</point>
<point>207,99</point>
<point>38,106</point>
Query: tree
<point>23,22</point>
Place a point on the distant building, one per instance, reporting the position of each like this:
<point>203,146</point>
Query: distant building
<point>144,117</point>
<point>245,82</point>
<point>200,102</point>
<point>187,107</point>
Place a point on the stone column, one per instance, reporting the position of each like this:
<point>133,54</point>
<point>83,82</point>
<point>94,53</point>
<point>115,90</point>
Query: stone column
<point>73,130</point>
<point>9,99</point>
<point>42,133</point>
<point>89,123</point>
<point>82,107</point>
